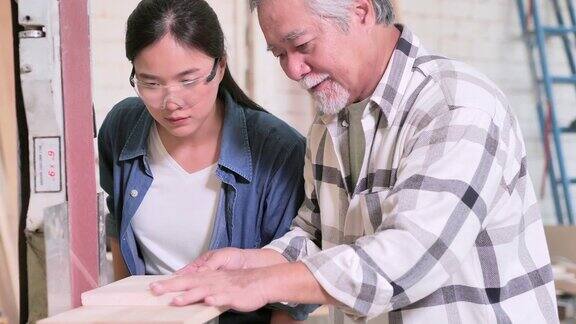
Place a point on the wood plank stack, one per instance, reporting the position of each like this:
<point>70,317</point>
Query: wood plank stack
<point>130,301</point>
<point>565,277</point>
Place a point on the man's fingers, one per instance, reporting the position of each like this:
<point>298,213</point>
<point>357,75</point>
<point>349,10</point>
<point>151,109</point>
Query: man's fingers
<point>196,264</point>
<point>203,268</point>
<point>231,300</point>
<point>189,268</point>
<point>178,283</point>
<point>191,297</point>
<point>219,300</point>
<point>216,261</point>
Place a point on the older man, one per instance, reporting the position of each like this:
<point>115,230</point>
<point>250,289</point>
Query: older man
<point>419,203</point>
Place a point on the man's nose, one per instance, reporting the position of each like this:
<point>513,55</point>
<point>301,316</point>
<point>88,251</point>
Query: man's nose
<point>295,66</point>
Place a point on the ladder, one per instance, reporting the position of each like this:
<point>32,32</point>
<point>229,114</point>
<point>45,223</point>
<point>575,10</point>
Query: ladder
<point>536,33</point>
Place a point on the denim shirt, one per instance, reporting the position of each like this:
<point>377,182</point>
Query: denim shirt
<point>260,166</point>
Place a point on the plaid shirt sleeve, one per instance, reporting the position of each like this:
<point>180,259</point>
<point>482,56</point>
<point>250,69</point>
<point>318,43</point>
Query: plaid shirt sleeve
<point>447,181</point>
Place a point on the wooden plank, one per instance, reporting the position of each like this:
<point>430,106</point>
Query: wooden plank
<point>8,278</point>
<point>570,268</point>
<point>130,301</point>
<point>566,285</point>
<point>322,311</point>
<point>561,241</point>
<point>9,172</point>
<point>131,291</point>
<point>8,123</point>
<point>191,314</point>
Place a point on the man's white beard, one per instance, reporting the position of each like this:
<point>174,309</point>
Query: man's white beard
<point>330,100</point>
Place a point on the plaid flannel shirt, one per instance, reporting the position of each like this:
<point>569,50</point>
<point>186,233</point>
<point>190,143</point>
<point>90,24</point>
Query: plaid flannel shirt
<point>443,225</point>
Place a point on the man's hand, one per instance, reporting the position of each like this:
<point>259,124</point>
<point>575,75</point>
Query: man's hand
<point>233,259</point>
<point>246,290</point>
<point>223,259</point>
<point>242,290</point>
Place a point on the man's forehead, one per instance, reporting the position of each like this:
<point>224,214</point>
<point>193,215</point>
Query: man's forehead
<point>282,22</point>
<point>284,16</point>
<point>294,34</point>
<point>290,36</point>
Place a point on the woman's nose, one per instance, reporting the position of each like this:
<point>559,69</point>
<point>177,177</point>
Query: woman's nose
<point>172,102</point>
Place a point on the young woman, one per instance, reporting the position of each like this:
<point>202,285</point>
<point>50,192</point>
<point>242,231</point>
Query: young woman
<point>192,163</point>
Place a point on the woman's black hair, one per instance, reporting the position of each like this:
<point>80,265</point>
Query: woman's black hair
<point>191,23</point>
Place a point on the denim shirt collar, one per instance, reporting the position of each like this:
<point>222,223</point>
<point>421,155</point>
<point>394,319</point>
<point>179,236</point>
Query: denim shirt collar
<point>137,142</point>
<point>235,154</point>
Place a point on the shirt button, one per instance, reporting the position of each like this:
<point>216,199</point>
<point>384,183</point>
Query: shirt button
<point>134,193</point>
<point>345,123</point>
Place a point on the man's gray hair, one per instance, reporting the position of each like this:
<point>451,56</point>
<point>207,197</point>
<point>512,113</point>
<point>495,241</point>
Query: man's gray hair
<point>339,10</point>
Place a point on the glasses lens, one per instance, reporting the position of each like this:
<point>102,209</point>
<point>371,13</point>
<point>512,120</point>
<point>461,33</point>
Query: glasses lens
<point>157,95</point>
<point>152,97</point>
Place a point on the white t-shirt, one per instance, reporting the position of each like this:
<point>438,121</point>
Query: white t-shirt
<point>173,224</point>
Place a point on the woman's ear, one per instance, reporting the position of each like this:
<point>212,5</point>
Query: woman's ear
<point>222,64</point>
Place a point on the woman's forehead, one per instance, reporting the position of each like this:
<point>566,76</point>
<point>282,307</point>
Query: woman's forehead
<point>171,52</point>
